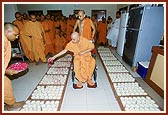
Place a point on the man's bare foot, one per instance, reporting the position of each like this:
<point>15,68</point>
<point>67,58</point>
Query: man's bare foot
<point>16,105</point>
<point>90,82</point>
<point>78,85</point>
<point>36,63</point>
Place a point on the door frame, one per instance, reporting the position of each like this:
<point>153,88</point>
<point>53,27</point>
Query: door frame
<point>97,13</point>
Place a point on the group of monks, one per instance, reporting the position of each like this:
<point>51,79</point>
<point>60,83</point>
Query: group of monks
<point>54,35</point>
<point>81,46</point>
<point>48,34</point>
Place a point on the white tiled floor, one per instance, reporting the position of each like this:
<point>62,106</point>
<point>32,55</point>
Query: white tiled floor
<point>100,99</point>
<point>23,86</point>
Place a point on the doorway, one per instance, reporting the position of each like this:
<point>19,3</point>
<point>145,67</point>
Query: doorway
<point>35,12</point>
<point>54,12</point>
<point>99,14</point>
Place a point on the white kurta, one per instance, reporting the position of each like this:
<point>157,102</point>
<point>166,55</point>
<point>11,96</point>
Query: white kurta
<point>109,27</point>
<point>113,33</point>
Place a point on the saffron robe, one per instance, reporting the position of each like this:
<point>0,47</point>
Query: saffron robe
<point>102,32</point>
<point>8,90</point>
<point>83,65</point>
<point>49,44</point>
<point>36,31</point>
<point>21,39</point>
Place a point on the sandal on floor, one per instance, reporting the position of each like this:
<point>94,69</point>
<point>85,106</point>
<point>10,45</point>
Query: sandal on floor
<point>75,86</point>
<point>92,86</point>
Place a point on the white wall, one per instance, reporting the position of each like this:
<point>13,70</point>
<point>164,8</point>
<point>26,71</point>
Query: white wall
<point>10,9</point>
<point>121,6</point>
<point>68,8</point>
<point>9,12</point>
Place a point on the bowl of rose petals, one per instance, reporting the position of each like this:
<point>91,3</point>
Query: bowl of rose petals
<point>20,67</point>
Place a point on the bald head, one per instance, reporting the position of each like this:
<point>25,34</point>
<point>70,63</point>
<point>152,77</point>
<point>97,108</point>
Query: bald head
<point>81,11</point>
<point>11,31</point>
<point>33,17</point>
<point>9,26</point>
<point>81,15</point>
<point>74,34</point>
<point>75,37</point>
<point>18,16</point>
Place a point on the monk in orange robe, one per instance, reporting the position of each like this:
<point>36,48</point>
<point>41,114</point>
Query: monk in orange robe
<point>19,22</point>
<point>69,28</point>
<point>49,45</point>
<point>26,39</point>
<point>51,27</point>
<point>25,18</point>
<point>85,26</point>
<point>84,63</point>
<point>102,32</point>
<point>93,18</point>
<point>58,40</point>
<point>34,30</point>
<point>73,19</point>
<point>11,32</point>
<point>63,29</point>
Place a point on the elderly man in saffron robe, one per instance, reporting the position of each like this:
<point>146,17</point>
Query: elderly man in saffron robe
<point>84,63</point>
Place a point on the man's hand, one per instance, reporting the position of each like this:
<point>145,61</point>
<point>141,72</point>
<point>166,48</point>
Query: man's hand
<point>42,34</point>
<point>10,72</point>
<point>80,53</point>
<point>50,61</point>
<point>92,40</point>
